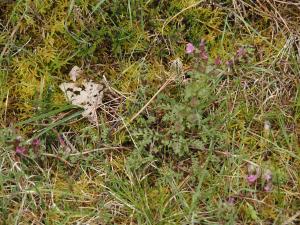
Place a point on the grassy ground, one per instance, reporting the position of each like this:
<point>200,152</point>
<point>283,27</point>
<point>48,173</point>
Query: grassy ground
<point>209,137</point>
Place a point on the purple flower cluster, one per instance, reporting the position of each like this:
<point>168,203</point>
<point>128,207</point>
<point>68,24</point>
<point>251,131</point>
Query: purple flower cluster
<point>241,53</point>
<point>23,150</point>
<point>255,175</point>
<point>190,49</point>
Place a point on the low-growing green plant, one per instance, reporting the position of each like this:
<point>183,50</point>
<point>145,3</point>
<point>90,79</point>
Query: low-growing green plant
<point>191,114</point>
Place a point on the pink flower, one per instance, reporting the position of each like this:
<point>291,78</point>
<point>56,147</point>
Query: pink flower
<point>203,53</point>
<point>241,52</point>
<point>218,61</point>
<point>190,48</point>
<point>268,187</point>
<point>21,150</point>
<point>229,63</point>
<point>231,201</point>
<point>267,176</point>
<point>36,142</point>
<point>252,178</point>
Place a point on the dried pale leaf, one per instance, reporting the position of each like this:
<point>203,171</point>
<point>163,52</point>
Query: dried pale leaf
<point>91,115</point>
<point>75,73</point>
<point>267,128</point>
<point>87,95</point>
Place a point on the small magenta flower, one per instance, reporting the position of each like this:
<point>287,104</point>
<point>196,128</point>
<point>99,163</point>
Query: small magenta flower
<point>231,201</point>
<point>229,63</point>
<point>36,142</point>
<point>190,48</point>
<point>252,179</point>
<point>218,61</point>
<point>21,150</point>
<point>267,176</point>
<point>268,187</point>
<point>254,173</point>
<point>203,54</point>
<point>241,52</point>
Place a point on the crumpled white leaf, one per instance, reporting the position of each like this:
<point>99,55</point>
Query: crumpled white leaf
<point>87,95</point>
<point>75,73</point>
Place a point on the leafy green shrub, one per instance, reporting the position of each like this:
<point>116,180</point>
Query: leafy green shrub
<point>188,116</point>
<point>186,122</point>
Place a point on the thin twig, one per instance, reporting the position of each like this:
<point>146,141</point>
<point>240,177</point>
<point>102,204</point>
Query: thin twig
<point>11,37</point>
<point>147,104</point>
<point>57,157</point>
<point>291,219</point>
<point>96,150</point>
